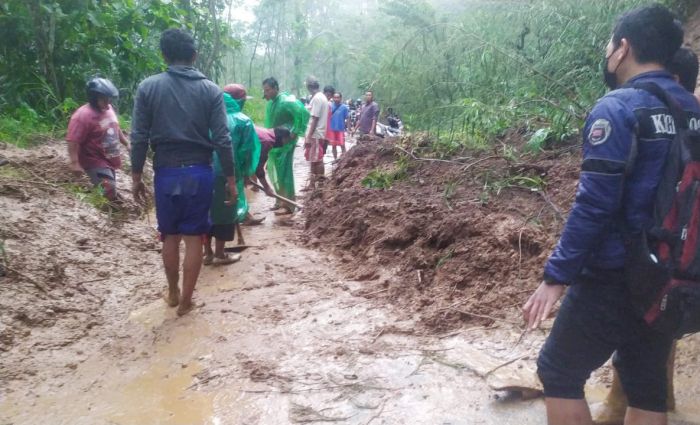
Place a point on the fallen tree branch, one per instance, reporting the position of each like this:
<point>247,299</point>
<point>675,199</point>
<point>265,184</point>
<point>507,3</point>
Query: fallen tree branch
<point>504,364</point>
<point>418,158</point>
<point>484,316</point>
<point>36,283</point>
<point>549,202</point>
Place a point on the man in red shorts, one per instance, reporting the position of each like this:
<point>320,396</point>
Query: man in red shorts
<point>338,123</point>
<point>315,132</point>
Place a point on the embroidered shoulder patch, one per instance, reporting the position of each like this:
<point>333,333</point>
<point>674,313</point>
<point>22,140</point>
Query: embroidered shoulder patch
<point>600,131</point>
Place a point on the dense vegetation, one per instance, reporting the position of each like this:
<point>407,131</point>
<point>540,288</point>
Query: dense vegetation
<point>50,48</point>
<point>463,70</point>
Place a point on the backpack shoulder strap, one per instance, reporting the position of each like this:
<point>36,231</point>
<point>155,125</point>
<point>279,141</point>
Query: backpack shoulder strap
<point>679,115</point>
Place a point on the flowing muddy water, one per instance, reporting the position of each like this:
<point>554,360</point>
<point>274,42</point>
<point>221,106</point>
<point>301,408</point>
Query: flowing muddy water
<point>282,339</point>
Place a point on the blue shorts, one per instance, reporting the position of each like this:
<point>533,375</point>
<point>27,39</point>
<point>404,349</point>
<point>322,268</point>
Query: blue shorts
<point>183,196</point>
<point>596,320</point>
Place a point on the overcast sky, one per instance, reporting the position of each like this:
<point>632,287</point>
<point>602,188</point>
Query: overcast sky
<point>245,13</point>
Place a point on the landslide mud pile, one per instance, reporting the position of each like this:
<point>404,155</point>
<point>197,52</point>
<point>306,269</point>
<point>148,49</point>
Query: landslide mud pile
<point>447,242</point>
<point>69,269</point>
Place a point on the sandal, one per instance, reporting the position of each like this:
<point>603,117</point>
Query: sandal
<point>253,221</point>
<point>227,259</point>
<point>208,259</point>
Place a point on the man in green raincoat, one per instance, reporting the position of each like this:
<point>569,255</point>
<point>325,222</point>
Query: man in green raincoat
<point>283,110</point>
<point>246,149</point>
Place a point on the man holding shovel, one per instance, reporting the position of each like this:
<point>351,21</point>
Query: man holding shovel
<point>226,219</point>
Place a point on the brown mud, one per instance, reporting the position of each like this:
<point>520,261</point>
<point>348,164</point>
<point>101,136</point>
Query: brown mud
<point>284,337</point>
<point>70,269</point>
<point>460,241</point>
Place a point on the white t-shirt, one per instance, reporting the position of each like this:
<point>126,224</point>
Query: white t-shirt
<point>319,108</point>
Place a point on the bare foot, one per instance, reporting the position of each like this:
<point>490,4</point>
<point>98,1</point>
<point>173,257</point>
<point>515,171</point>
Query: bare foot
<point>172,298</point>
<point>283,211</point>
<point>186,307</point>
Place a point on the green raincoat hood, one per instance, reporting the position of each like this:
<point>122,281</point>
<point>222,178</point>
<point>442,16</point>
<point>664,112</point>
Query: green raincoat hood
<point>233,105</point>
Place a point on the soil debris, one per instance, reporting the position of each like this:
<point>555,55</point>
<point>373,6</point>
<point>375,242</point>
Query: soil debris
<point>472,234</point>
<point>68,264</point>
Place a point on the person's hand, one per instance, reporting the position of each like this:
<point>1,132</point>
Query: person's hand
<point>76,169</point>
<point>232,197</point>
<point>540,304</point>
<point>138,190</point>
<point>232,192</point>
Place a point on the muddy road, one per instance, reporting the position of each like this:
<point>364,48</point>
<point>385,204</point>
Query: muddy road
<point>284,337</point>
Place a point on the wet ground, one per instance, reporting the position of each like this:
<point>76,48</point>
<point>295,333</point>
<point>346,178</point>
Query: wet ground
<point>282,338</point>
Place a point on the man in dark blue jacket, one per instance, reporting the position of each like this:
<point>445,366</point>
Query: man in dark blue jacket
<point>626,139</point>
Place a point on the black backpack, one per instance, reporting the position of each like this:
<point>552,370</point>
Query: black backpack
<point>662,267</point>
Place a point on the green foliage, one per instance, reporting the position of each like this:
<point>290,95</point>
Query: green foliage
<point>449,193</point>
<point>51,47</point>
<point>532,183</point>
<point>24,127</point>
<point>255,109</point>
<point>93,196</point>
<point>385,178</point>
<point>445,258</point>
<point>466,78</point>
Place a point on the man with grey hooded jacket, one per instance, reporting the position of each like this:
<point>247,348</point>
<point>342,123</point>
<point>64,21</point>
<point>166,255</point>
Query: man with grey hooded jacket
<point>181,115</point>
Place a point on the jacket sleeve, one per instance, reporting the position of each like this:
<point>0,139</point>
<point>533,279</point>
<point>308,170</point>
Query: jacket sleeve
<point>220,135</point>
<point>608,139</point>
<point>140,130</point>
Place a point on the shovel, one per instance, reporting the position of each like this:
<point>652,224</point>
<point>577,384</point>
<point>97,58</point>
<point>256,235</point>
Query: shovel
<point>241,242</point>
<point>281,198</point>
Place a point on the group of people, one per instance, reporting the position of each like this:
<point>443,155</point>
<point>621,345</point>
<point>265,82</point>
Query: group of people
<point>190,123</point>
<point>206,151</point>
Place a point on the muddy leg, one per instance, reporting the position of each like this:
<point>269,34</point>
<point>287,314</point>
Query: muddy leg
<point>191,267</point>
<point>171,263</point>
<point>208,252</point>
<point>670,366</point>
<point>219,247</point>
<point>335,153</point>
<point>644,417</point>
<point>239,232</point>
<point>562,411</point>
<point>612,410</point>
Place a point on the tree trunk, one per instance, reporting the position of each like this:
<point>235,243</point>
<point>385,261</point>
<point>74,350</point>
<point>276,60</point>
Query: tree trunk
<point>252,56</point>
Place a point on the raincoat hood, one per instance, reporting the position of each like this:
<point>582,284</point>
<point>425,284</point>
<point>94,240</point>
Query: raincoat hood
<point>186,72</point>
<point>233,105</point>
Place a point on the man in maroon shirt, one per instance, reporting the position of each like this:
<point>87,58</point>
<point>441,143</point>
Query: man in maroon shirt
<point>94,136</point>
<point>269,138</point>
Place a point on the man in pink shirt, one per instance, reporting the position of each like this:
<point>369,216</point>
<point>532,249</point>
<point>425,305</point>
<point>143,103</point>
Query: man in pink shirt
<point>94,136</point>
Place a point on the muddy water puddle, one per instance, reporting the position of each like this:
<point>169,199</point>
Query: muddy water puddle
<point>281,339</point>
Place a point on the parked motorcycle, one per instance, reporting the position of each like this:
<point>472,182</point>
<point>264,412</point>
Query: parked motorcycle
<point>384,130</point>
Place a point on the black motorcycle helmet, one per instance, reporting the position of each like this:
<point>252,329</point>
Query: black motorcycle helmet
<point>97,87</point>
